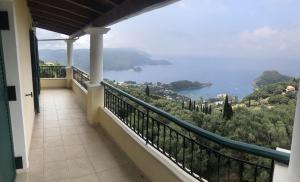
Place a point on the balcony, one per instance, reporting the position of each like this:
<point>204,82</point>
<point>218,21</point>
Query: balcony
<point>65,147</point>
<point>126,125</point>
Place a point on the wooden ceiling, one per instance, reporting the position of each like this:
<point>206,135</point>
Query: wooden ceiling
<point>70,17</point>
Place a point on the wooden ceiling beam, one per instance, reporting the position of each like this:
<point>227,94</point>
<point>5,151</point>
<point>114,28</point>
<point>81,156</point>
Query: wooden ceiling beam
<point>54,24</point>
<point>67,7</point>
<point>112,3</point>
<point>44,8</point>
<point>37,13</point>
<point>90,5</point>
<point>53,28</point>
<point>56,21</point>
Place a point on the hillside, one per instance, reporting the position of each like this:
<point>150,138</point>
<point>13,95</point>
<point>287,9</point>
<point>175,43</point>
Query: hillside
<point>114,59</point>
<point>270,77</point>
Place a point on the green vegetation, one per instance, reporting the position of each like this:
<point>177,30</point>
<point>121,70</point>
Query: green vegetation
<point>227,109</point>
<point>186,84</point>
<point>264,118</point>
<point>269,77</point>
<point>51,70</point>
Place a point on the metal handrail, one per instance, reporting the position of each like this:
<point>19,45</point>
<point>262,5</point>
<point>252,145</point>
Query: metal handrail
<point>232,144</point>
<point>82,71</point>
<point>52,66</point>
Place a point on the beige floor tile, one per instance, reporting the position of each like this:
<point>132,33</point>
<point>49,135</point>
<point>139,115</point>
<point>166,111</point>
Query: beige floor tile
<point>36,166</point>
<point>35,176</point>
<point>89,138</point>
<point>37,143</point>
<point>89,178</point>
<point>124,173</point>
<point>71,140</point>
<point>38,133</point>
<point>57,170</point>
<point>51,124</point>
<point>21,177</point>
<point>94,149</point>
<point>36,155</point>
<point>86,129</point>
<point>68,130</point>
<point>80,167</point>
<point>51,132</point>
<point>65,148</point>
<point>55,141</point>
<point>66,122</point>
<point>107,161</point>
<point>75,152</point>
<point>55,154</point>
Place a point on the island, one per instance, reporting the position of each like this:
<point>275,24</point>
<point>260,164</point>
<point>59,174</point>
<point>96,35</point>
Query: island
<point>186,84</point>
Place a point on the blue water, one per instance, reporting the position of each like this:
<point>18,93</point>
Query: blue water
<point>231,76</point>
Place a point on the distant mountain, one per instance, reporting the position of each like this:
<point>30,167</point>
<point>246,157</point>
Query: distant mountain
<point>114,59</point>
<point>269,77</point>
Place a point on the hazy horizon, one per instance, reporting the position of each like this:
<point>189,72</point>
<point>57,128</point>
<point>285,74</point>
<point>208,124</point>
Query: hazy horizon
<point>203,28</point>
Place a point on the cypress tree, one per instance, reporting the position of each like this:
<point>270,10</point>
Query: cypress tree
<point>190,105</point>
<point>182,104</point>
<point>197,108</point>
<point>147,91</point>
<point>194,105</point>
<point>227,110</point>
<point>209,109</point>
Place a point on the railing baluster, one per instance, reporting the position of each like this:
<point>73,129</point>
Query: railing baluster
<point>196,152</point>
<point>147,127</point>
<point>241,171</point>
<point>192,156</point>
<point>183,152</point>
<point>164,140</point>
<point>176,147</point>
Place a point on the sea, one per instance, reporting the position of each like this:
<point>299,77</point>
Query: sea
<point>233,76</point>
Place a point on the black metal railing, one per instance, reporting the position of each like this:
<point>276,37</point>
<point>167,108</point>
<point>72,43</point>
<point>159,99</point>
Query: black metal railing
<point>80,76</point>
<point>200,153</point>
<point>47,71</point>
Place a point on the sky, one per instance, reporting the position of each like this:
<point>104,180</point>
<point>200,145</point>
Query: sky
<point>201,28</point>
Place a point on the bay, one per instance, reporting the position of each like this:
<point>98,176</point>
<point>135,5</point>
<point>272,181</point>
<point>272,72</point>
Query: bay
<point>233,76</point>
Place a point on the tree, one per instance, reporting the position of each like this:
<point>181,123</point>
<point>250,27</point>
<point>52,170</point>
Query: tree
<point>227,110</point>
<point>182,104</point>
<point>147,91</point>
<point>209,109</point>
<point>190,105</point>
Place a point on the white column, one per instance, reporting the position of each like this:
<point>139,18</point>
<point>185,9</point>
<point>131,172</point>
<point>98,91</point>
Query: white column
<point>96,53</point>
<point>95,97</point>
<point>294,166</point>
<point>69,70</point>
<point>70,52</point>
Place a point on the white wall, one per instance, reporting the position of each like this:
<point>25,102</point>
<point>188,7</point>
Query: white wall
<point>12,67</point>
<point>294,166</point>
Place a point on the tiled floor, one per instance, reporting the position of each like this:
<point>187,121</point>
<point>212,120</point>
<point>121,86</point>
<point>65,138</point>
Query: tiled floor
<point>64,148</point>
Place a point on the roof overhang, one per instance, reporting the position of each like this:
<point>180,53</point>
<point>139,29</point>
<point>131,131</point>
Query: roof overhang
<point>72,17</point>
